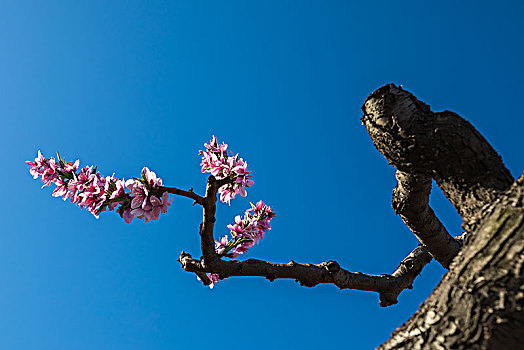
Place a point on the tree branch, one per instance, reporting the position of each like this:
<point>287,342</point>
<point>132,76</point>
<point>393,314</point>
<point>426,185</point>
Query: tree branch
<point>442,146</point>
<point>479,302</point>
<point>411,202</point>
<point>189,194</point>
<point>207,241</point>
<point>309,275</point>
<point>422,145</point>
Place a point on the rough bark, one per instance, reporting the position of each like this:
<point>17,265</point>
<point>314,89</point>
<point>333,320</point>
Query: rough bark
<point>479,302</point>
<point>442,146</point>
<point>411,202</point>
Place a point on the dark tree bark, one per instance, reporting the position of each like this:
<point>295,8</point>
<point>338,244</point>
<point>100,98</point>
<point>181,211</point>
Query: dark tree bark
<point>479,302</point>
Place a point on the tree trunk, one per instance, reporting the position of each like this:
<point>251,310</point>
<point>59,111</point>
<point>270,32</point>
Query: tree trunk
<point>479,302</point>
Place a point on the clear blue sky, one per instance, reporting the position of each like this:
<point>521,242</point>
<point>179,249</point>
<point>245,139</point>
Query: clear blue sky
<point>125,84</point>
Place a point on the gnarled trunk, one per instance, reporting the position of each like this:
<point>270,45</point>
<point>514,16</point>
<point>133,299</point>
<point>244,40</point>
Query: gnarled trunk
<point>479,302</point>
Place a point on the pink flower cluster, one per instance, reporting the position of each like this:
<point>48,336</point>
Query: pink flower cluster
<point>88,189</point>
<point>216,161</point>
<point>144,203</point>
<point>245,232</point>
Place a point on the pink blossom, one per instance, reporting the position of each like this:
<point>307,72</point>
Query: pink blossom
<point>225,194</point>
<point>144,204</point>
<point>128,218</point>
<point>71,168</point>
<point>151,177</point>
<point>61,189</point>
<point>118,192</point>
<point>140,196</point>
<point>216,161</point>
<point>36,165</point>
<point>246,231</point>
<point>220,246</point>
<point>214,279</point>
<point>89,190</point>
<point>160,205</point>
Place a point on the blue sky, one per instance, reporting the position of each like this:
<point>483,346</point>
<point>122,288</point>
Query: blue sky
<point>127,84</point>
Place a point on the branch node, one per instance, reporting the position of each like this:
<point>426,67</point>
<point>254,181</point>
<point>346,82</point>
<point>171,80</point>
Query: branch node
<point>331,266</point>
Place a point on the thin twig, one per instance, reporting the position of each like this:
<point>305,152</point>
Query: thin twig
<point>189,194</point>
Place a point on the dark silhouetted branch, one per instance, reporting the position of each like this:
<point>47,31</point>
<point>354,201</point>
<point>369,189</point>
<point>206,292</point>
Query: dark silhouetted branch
<point>310,275</point>
<point>411,202</point>
<point>207,241</point>
<point>442,146</point>
<point>479,302</point>
<point>424,145</point>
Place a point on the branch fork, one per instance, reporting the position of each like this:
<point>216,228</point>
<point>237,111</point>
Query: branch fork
<point>308,275</point>
<point>422,146</point>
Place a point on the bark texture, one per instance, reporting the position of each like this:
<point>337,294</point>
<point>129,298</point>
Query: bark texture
<point>479,302</point>
<point>411,202</point>
<point>442,146</point>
